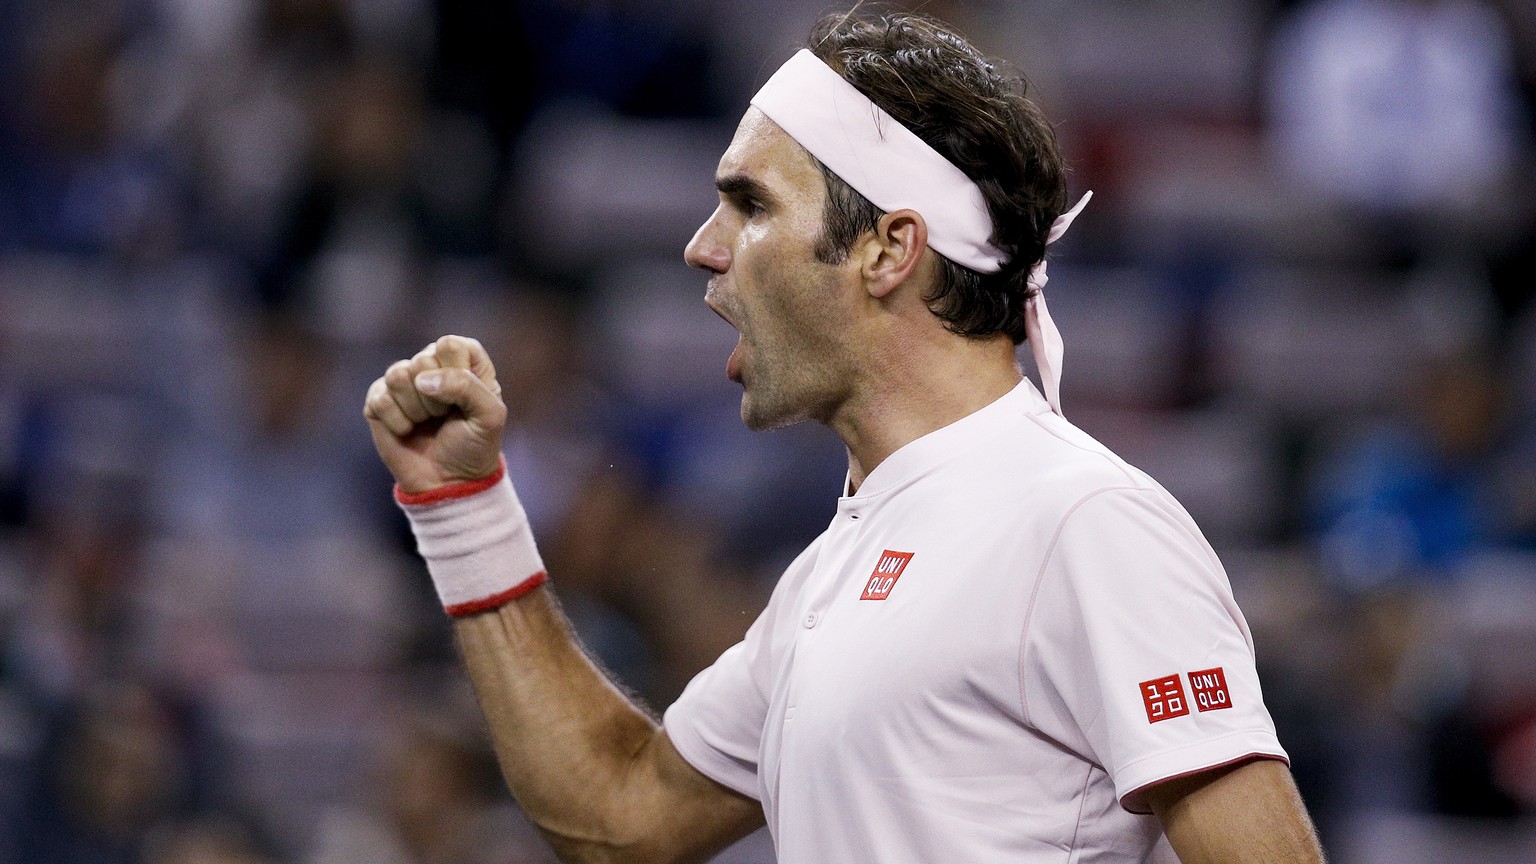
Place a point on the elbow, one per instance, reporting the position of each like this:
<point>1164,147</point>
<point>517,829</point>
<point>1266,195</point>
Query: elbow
<point>581,851</point>
<point>614,844</point>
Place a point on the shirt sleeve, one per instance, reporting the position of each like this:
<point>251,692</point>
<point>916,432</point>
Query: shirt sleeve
<point>717,723</point>
<point>1135,653</point>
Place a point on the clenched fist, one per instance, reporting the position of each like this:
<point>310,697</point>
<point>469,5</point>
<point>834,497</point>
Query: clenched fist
<point>437,418</point>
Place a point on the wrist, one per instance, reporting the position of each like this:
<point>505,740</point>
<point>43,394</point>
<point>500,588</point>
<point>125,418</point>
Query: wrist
<point>449,490</point>
<point>476,541</point>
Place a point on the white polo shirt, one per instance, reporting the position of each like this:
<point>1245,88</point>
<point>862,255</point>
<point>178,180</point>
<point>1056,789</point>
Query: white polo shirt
<point>1004,636</point>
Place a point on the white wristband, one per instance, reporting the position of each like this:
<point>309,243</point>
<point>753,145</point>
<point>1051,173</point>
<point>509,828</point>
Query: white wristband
<point>476,541</point>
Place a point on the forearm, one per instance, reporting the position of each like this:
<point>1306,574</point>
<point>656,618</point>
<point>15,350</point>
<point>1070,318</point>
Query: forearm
<point>567,738</point>
<point>1247,813</point>
<point>591,769</point>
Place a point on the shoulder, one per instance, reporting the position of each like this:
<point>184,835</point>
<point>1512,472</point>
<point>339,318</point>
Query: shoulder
<point>1052,483</point>
<point>1040,463</point>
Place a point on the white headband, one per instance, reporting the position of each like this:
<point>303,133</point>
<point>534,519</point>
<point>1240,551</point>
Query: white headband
<point>887,163</point>
<point>880,158</point>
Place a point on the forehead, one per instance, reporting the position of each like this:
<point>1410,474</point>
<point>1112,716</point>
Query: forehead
<point>760,150</point>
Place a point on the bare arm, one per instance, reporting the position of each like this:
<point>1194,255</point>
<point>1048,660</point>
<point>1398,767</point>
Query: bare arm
<point>592,770</point>
<point>1246,814</point>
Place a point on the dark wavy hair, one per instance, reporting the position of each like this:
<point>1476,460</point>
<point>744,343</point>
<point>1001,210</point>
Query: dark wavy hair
<point>950,95</point>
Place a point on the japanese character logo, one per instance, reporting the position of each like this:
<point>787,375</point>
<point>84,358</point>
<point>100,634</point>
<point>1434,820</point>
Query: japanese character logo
<point>1164,698</point>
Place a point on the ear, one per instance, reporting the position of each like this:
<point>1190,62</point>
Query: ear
<point>892,252</point>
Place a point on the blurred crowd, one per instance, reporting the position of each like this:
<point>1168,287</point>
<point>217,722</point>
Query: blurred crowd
<point>1301,299</point>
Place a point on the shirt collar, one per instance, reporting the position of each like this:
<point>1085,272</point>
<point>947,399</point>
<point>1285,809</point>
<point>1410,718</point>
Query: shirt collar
<point>923,454</point>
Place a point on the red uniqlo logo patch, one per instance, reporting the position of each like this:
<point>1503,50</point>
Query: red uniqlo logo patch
<point>1164,698</point>
<point>886,573</point>
<point>1210,689</point>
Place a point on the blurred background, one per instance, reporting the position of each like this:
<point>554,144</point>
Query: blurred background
<point>1301,299</point>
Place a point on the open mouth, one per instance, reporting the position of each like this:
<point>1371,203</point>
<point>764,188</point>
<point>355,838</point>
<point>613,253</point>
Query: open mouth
<point>733,364</point>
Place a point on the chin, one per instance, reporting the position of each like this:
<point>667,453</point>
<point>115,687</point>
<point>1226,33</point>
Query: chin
<point>761,414</point>
<point>756,421</point>
<point>762,418</point>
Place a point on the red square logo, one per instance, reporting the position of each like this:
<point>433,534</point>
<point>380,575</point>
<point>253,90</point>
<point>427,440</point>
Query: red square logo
<point>1164,698</point>
<point>887,571</point>
<point>1209,687</point>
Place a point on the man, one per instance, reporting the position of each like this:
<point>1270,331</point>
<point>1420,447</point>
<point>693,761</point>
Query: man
<point>1009,645</point>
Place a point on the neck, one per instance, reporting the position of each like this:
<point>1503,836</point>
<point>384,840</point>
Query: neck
<point>924,386</point>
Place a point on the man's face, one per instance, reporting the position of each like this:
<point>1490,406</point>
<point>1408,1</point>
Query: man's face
<point>791,310</point>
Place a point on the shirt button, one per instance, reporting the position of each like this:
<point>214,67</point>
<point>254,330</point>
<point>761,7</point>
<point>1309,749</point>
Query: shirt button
<point>810,619</point>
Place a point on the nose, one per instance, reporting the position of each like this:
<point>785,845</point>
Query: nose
<point>705,251</point>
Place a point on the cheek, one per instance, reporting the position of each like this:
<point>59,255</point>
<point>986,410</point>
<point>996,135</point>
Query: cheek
<point>779,279</point>
<point>804,317</point>
<point>756,247</point>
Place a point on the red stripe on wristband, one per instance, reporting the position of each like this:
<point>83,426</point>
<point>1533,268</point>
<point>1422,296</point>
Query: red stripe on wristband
<point>462,489</point>
<point>460,610</point>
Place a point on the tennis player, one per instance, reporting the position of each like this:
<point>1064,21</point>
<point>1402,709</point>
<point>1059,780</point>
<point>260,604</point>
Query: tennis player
<point>1008,645</point>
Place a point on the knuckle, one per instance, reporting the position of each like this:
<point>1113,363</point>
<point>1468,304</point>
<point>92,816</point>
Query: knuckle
<point>375,394</point>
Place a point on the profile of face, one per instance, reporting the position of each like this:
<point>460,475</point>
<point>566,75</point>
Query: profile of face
<point>793,359</point>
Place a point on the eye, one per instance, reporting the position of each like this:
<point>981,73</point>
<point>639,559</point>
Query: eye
<point>746,205</point>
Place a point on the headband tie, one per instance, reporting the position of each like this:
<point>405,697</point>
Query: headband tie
<point>1045,341</point>
<point>888,164</point>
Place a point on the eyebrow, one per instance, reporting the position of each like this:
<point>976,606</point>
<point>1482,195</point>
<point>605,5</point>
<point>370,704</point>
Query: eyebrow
<point>740,186</point>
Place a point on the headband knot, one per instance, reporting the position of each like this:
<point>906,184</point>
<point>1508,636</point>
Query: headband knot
<point>1045,341</point>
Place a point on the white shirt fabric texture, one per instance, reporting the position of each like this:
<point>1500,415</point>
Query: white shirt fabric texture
<point>1060,637</point>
